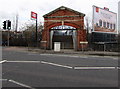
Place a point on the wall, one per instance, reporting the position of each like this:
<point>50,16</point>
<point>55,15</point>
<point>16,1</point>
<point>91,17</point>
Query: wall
<point>63,17</point>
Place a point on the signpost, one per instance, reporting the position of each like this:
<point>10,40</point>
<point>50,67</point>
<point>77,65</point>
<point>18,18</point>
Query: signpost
<point>34,17</point>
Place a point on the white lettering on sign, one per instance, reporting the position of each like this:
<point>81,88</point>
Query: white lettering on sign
<point>63,27</point>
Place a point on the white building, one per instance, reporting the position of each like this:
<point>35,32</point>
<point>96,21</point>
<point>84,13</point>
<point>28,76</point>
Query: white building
<point>119,16</point>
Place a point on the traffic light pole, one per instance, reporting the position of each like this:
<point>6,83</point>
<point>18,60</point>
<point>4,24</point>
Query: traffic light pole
<point>8,37</point>
<point>7,25</point>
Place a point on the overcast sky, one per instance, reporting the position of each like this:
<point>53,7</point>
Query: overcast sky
<point>9,8</point>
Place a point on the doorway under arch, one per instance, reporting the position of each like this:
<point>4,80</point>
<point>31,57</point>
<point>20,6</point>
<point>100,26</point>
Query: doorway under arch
<point>64,34</point>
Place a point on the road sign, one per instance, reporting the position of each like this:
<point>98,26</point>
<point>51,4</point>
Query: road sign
<point>33,15</point>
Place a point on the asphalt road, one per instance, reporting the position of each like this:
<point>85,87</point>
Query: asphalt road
<point>34,70</point>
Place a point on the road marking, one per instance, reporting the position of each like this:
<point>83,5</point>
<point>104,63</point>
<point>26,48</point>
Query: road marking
<point>56,64</point>
<point>25,61</point>
<point>118,67</point>
<point>21,84</point>
<point>3,79</point>
<point>3,61</point>
<point>94,68</point>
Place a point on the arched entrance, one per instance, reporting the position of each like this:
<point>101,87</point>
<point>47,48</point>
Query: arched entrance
<point>63,25</point>
<point>64,34</point>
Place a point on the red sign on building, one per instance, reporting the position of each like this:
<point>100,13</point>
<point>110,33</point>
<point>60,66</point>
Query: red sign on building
<point>97,9</point>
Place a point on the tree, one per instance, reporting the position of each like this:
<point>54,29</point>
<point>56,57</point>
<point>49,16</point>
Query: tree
<point>88,30</point>
<point>30,31</point>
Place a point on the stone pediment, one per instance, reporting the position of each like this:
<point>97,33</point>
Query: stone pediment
<point>66,13</point>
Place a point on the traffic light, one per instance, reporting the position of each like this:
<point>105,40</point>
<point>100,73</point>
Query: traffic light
<point>8,24</point>
<point>4,25</point>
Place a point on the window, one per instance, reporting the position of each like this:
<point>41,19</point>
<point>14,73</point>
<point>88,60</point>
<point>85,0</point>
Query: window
<point>104,24</point>
<point>114,26</point>
<point>97,24</point>
<point>107,24</point>
<point>100,22</point>
<point>110,26</point>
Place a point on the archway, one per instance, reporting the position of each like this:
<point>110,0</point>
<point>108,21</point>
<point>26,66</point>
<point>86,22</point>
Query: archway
<point>64,34</point>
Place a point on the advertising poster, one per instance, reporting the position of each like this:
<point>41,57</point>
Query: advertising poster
<point>104,20</point>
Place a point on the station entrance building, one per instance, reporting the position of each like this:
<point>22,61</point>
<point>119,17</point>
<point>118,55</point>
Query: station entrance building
<point>63,25</point>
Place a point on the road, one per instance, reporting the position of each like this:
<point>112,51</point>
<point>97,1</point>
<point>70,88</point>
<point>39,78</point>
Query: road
<point>34,70</point>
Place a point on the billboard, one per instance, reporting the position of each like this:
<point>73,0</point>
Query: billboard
<point>104,20</point>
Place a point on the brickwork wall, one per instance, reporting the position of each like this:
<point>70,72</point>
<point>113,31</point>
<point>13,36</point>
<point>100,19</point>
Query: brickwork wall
<point>55,19</point>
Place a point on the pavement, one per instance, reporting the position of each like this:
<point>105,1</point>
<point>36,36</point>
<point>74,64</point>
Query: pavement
<point>65,51</point>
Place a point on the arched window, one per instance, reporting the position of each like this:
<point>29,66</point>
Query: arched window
<point>114,26</point>
<point>108,24</point>
<point>104,24</point>
<point>100,22</point>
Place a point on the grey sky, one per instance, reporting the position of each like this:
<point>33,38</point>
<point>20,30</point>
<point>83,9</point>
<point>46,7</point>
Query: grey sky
<point>9,8</point>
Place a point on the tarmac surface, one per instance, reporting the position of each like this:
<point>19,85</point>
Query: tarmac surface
<point>34,68</point>
<point>66,51</point>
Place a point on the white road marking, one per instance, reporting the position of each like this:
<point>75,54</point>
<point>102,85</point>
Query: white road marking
<point>25,61</point>
<point>3,79</point>
<point>118,67</point>
<point>94,68</point>
<point>21,84</point>
<point>3,61</point>
<point>56,64</point>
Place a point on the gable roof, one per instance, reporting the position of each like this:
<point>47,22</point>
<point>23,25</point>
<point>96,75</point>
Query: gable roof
<point>63,8</point>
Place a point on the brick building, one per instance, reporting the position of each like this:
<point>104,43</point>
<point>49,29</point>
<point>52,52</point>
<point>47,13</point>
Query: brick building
<point>63,25</point>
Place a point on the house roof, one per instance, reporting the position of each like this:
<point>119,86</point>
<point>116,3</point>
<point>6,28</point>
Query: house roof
<point>63,8</point>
